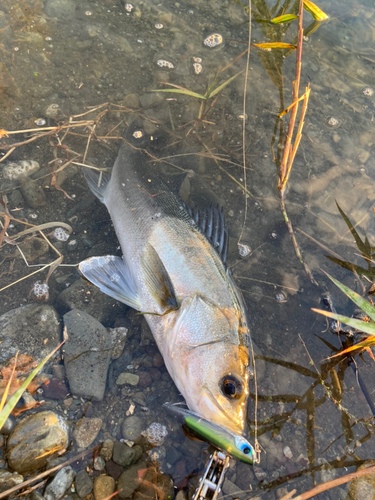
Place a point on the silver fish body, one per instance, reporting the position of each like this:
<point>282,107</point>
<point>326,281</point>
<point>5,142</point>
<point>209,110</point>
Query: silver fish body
<point>172,273</point>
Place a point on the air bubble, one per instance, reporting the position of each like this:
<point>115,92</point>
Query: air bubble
<point>213,40</point>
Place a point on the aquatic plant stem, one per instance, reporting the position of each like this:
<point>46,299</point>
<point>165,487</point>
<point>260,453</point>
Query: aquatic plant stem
<point>290,150</point>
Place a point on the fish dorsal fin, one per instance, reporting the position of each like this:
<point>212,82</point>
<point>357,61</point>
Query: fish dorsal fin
<point>158,281</point>
<point>211,222</point>
<point>111,275</point>
<point>96,182</point>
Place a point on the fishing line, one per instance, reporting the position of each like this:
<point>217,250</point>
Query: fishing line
<point>256,442</point>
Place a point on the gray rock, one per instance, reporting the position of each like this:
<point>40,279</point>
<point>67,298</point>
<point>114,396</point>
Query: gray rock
<point>127,378</point>
<point>85,297</point>
<point>34,329</point>
<point>124,455</point>
<point>151,99</point>
<point>15,171</point>
<point>62,9</point>
<point>36,439</point>
<point>86,431</point>
<point>132,427</point>
<point>128,481</point>
<point>83,484</point>
<point>9,479</point>
<point>87,354</point>
<point>33,193</point>
<point>232,491</point>
<point>59,484</point>
<point>8,425</point>
<point>34,248</point>
<point>173,455</point>
<point>104,486</point>
<point>118,336</point>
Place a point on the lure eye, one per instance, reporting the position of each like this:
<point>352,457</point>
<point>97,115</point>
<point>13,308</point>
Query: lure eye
<point>232,387</point>
<point>246,450</point>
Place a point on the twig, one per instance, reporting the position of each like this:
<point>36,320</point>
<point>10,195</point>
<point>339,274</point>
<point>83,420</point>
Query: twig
<point>5,494</point>
<point>332,484</point>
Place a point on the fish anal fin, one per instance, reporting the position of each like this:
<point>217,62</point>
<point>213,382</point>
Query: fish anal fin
<point>111,275</point>
<point>158,281</point>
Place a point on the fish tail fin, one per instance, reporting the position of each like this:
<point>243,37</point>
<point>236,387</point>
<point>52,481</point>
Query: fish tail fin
<point>97,182</point>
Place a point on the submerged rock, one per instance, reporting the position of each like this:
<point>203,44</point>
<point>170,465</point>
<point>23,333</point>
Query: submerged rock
<point>35,440</point>
<point>86,431</point>
<point>128,481</point>
<point>59,484</point>
<point>9,479</point>
<point>104,486</point>
<point>23,168</point>
<point>83,484</point>
<point>33,329</point>
<point>87,354</point>
<point>33,193</point>
<point>132,427</point>
<point>124,455</point>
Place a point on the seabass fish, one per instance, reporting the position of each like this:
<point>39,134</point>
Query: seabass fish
<point>172,271</point>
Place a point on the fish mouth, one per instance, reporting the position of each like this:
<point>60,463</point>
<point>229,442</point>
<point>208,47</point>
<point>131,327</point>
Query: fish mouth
<point>227,421</point>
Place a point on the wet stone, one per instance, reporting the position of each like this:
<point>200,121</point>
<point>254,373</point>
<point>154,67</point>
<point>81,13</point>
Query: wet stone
<point>9,479</point>
<point>36,439</point>
<point>83,484</point>
<point>23,168</point>
<point>87,354</point>
<point>86,431</point>
<point>8,425</point>
<point>125,456</point>
<point>34,329</point>
<point>55,388</point>
<point>62,9</point>
<point>144,379</point>
<point>104,486</point>
<point>106,450</point>
<point>33,194</point>
<point>173,455</point>
<point>85,297</point>
<point>231,490</point>
<point>127,378</point>
<point>157,360</point>
<point>118,336</point>
<point>128,481</point>
<point>114,470</point>
<point>59,484</point>
<point>131,101</point>
<point>132,427</point>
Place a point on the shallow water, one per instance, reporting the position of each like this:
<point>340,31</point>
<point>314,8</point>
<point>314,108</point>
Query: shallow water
<point>66,56</point>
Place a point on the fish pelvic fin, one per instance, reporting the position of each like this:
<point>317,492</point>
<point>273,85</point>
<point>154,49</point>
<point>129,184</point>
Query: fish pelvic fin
<point>111,275</point>
<point>158,281</point>
<point>97,182</point>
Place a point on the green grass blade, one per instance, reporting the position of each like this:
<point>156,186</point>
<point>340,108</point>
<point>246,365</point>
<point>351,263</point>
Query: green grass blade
<point>6,411</point>
<point>361,246</point>
<point>284,19</point>
<point>352,267</point>
<point>354,323</point>
<point>180,91</point>
<point>357,299</point>
<point>220,87</point>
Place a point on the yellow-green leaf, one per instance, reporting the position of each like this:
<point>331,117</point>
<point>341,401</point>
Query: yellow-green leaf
<point>358,324</point>
<point>284,19</point>
<point>218,89</point>
<point>179,91</point>
<point>274,45</point>
<point>314,10</point>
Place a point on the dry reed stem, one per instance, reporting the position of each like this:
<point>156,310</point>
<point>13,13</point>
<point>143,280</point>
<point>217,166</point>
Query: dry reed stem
<point>333,483</point>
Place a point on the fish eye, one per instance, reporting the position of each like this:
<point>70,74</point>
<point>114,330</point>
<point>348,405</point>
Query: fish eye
<point>232,387</point>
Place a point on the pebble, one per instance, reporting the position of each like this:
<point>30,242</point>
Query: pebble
<point>83,484</point>
<point>34,329</point>
<point>62,9</point>
<point>104,486</point>
<point>260,474</point>
<point>34,248</point>
<point>36,439</point>
<point>106,450</point>
<point>118,337</point>
<point>9,479</point>
<point>8,425</point>
<point>131,101</point>
<point>113,469</point>
<point>33,194</point>
<point>99,464</point>
<point>132,427</point>
<point>54,388</point>
<point>128,481</point>
<point>145,379</point>
<point>16,171</point>
<point>157,360</point>
<point>86,431</point>
<point>155,434</point>
<point>124,455</point>
<point>87,354</point>
<point>127,378</point>
<point>288,452</point>
<point>59,484</point>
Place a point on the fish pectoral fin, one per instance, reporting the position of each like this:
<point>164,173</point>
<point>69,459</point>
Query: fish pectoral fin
<point>96,182</point>
<point>111,275</point>
<point>158,281</point>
